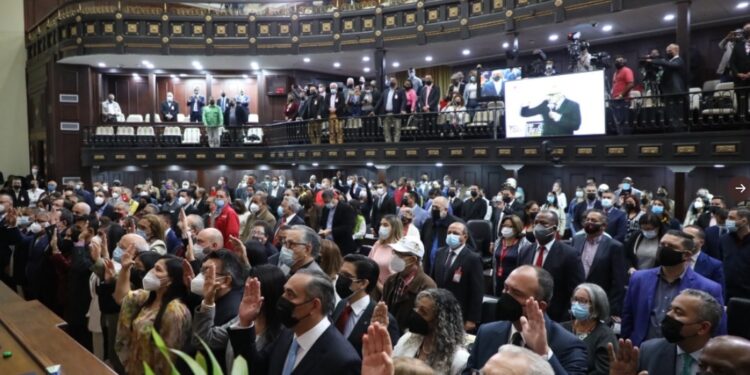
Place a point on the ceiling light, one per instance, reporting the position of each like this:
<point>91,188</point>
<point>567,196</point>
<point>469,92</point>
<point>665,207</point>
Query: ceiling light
<point>370,164</point>
<point>336,64</point>
<point>366,70</point>
<point>428,58</point>
<point>365,58</point>
<point>136,76</point>
<point>553,37</point>
<point>196,64</point>
<point>306,59</point>
<point>254,65</point>
<point>742,5</point>
<point>245,76</point>
<point>102,65</point>
<point>145,63</point>
<point>607,28</point>
<point>669,17</point>
<point>172,76</point>
<point>466,52</point>
<point>314,164</point>
<point>396,64</point>
<point>506,45</point>
<point>439,164</point>
<point>718,165</point>
<point>183,75</point>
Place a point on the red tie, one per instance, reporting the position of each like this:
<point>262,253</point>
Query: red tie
<point>540,257</point>
<point>341,323</point>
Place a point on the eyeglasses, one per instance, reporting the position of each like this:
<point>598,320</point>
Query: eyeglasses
<point>580,300</point>
<point>347,276</point>
<point>290,244</point>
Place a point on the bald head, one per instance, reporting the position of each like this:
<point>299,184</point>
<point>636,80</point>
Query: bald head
<point>511,359</point>
<point>210,239</point>
<point>81,209</point>
<point>440,202</point>
<point>726,355</point>
<point>135,240</point>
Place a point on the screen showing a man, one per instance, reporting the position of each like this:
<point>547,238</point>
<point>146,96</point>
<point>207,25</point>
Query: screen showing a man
<point>571,104</point>
<point>493,82</point>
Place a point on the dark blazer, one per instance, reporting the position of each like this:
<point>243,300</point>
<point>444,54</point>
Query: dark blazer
<point>639,300</point>
<point>674,78</point>
<point>473,210</point>
<point>169,108</point>
<point>325,108</point>
<point>580,209</point>
<point>240,112</point>
<point>712,247</point>
<point>331,353</point>
<point>468,286</point>
<point>388,207</point>
<point>342,226</point>
<point>736,256</point>
<point>40,179</point>
<point>569,122</point>
<point>432,231</point>
<point>457,205</point>
<point>172,242</point>
<point>402,306</point>
<point>658,357</point>
<point>399,101</point>
<point>360,328</point>
<point>617,224</point>
<point>740,62</point>
<point>704,220</point>
<point>608,269</point>
<point>201,102</point>
<point>274,200</point>
<point>432,101</point>
<point>596,343</point>
<point>564,263</point>
<point>8,237</point>
<point>20,199</point>
<point>449,94</point>
<point>710,268</point>
<point>569,352</point>
<point>311,109</point>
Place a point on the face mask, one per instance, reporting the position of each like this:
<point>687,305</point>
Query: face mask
<point>473,194</point>
<point>428,83</point>
<point>592,228</point>
<point>543,234</point>
<point>35,228</point>
<point>619,65</point>
<point>141,233</point>
<point>151,282</point>
<point>591,196</point>
<point>580,311</point>
<point>508,308</point>
<point>731,225</point>
<point>415,323</point>
<point>384,232</point>
<point>550,199</point>
<point>99,201</point>
<point>34,170</point>
<point>671,329</point>
<point>446,182</point>
<point>658,210</point>
<point>380,192</point>
<point>285,309</point>
<point>435,215</point>
<point>23,220</point>
<point>626,186</point>
<point>196,285</point>
<point>649,234</point>
<point>199,252</point>
<point>2,208</point>
<point>579,194</point>
<point>169,98</point>
<point>286,257</point>
<point>397,264</point>
<point>629,206</point>
<point>698,205</point>
<point>181,201</point>
<point>606,203</point>
<point>51,187</point>
<point>343,287</point>
<point>329,206</point>
<point>186,186</point>
<point>507,199</point>
<point>453,241</point>
<point>254,208</point>
<point>280,211</point>
<point>669,257</point>
<point>451,193</point>
<point>117,254</point>
<point>507,232</point>
<point>219,203</point>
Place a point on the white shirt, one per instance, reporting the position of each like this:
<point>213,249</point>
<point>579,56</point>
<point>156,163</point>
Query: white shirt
<point>357,309</point>
<point>111,108</point>
<point>308,339</point>
<point>413,232</point>
<point>679,361</point>
<point>289,218</point>
<point>694,259</point>
<point>457,251</point>
<point>333,101</point>
<point>34,195</point>
<point>547,248</point>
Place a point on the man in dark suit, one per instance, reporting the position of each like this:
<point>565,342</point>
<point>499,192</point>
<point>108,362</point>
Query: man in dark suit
<point>311,112</point>
<point>507,205</point>
<point>234,115</point>
<point>528,291</point>
<point>435,231</point>
<point>275,195</point>
<point>591,201</point>
<point>650,291</point>
<point>309,345</point>
<point>715,232</point>
<point>392,102</point>
<point>474,207</point>
<point>333,110</point>
<point>20,196</point>
<point>357,279</point>
<point>561,116</point>
<point>559,259</point>
<point>735,249</point>
<point>702,263</point>
<point>429,98</point>
<point>494,86</point>
<point>692,319</point>
<point>617,222</point>
<point>458,268</point>
<point>195,104</point>
<point>603,259</point>
<point>708,218</point>
<point>337,222</point>
<point>169,109</point>
<point>456,204</point>
<point>382,205</point>
<point>673,82</point>
<point>37,175</point>
<point>740,66</point>
<point>289,208</point>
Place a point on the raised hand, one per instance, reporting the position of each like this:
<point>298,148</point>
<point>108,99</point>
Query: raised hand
<point>127,259</point>
<point>252,301</point>
<point>209,284</point>
<point>376,351</point>
<point>109,270</point>
<point>380,314</point>
<point>625,361</point>
<point>187,273</point>
<point>240,249</point>
<point>53,242</point>
<point>533,330</point>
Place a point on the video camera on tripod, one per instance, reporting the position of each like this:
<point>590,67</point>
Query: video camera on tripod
<point>599,60</point>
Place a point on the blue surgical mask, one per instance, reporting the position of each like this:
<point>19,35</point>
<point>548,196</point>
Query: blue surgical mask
<point>384,232</point>
<point>649,234</point>
<point>606,203</point>
<point>580,311</point>
<point>626,186</point>
<point>453,241</point>
<point>550,199</point>
<point>286,257</point>
<point>51,187</point>
<point>117,254</point>
<point>141,233</point>
<point>219,203</point>
<point>280,211</point>
<point>658,210</point>
<point>731,225</point>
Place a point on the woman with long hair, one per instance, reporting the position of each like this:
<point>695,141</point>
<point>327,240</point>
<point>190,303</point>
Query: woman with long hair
<point>159,306</point>
<point>390,231</point>
<point>151,229</point>
<point>435,333</point>
<point>661,208</point>
<point>506,251</point>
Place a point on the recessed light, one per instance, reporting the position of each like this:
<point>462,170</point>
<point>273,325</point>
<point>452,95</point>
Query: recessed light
<point>365,58</point>
<point>370,164</point>
<point>336,64</point>
<point>254,65</point>
<point>395,64</point>
<point>506,45</point>
<point>102,65</point>
<point>145,62</point>
<point>553,37</point>
<point>669,17</point>
<point>196,64</point>
<point>183,75</point>
<point>366,70</point>
<point>742,5</point>
<point>607,28</point>
<point>428,58</point>
<point>172,76</point>
<point>136,76</point>
<point>718,165</point>
<point>306,59</point>
<point>245,76</point>
<point>439,164</point>
<point>466,52</point>
<point>314,164</point>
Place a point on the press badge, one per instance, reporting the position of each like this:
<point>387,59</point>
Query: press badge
<point>457,275</point>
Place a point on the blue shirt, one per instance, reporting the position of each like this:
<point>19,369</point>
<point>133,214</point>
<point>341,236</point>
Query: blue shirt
<point>329,221</point>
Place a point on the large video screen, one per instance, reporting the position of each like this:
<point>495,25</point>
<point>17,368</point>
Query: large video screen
<point>493,81</point>
<point>570,104</point>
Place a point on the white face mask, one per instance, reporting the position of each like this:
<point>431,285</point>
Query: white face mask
<point>380,191</point>
<point>698,204</point>
<point>186,185</point>
<point>286,257</point>
<point>198,251</point>
<point>181,201</point>
<point>254,208</point>
<point>507,232</point>
<point>274,183</point>
<point>384,232</point>
<point>169,98</point>
<point>196,284</point>
<point>397,264</point>
<point>99,201</point>
<point>35,228</point>
<point>151,282</point>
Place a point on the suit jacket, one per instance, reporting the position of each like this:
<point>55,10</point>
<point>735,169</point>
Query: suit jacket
<point>222,102</point>
<point>580,209</point>
<point>312,107</point>
<point>172,108</point>
<point>712,247</point>
<point>564,263</point>
<point>432,101</point>
<point>342,226</point>
<point>430,232</point>
<point>331,353</point>
<point>360,328</point>
<point>39,177</point>
<point>173,242</point>
<point>674,78</point>
<point>607,270</point>
<point>569,356</point>
<point>569,122</point>
<point>639,300</point>
<point>340,105</point>
<point>20,199</point>
<point>463,278</point>
<point>398,105</point>
<point>710,268</point>
<point>617,224</point>
<point>457,205</point>
<point>240,113</point>
<point>191,101</point>
<point>739,62</point>
<point>473,210</point>
<point>402,306</point>
<point>274,200</point>
<point>388,207</point>
<point>658,357</point>
<point>488,89</point>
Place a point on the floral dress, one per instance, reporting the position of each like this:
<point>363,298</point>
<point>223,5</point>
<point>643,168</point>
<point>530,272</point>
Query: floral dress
<point>133,343</point>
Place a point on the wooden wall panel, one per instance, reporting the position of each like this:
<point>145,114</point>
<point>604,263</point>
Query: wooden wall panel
<point>232,87</point>
<point>63,148</point>
<point>133,94</point>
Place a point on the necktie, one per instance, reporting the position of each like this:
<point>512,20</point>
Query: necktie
<point>291,357</point>
<point>283,220</point>
<point>687,364</point>
<point>344,318</point>
<point>448,261</point>
<point>540,258</point>
<point>516,339</point>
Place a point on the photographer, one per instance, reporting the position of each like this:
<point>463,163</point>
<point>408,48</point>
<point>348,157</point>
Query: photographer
<point>673,85</point>
<point>651,73</point>
<point>583,63</point>
<point>740,66</point>
<point>727,44</point>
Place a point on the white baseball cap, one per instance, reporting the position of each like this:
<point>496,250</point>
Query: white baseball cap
<point>409,246</point>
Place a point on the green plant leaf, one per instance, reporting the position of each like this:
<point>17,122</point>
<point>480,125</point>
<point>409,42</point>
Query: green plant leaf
<point>215,367</point>
<point>194,366</point>
<point>201,360</point>
<point>239,367</point>
<point>162,346</point>
<point>147,369</point>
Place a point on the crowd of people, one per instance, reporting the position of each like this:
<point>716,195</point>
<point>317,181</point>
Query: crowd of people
<point>346,275</point>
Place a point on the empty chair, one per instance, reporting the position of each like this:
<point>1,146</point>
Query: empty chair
<point>147,117</point>
<point>710,85</point>
<point>636,101</point>
<point>254,136</point>
<point>146,136</point>
<point>172,136</point>
<point>125,135</point>
<point>723,102</point>
<point>134,118</point>
<point>157,118</point>
<point>192,136</point>
<point>481,118</point>
<point>181,118</point>
<point>695,98</point>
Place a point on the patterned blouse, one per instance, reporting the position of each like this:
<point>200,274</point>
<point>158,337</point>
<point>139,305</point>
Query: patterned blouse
<point>133,343</point>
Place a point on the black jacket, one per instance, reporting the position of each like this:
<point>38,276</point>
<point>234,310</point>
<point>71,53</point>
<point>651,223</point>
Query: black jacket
<point>311,109</point>
<point>432,101</point>
<point>435,230</point>
<point>340,105</point>
<point>342,226</point>
<point>360,328</point>
<point>240,113</point>
<point>674,78</point>
<point>388,207</point>
<point>172,108</point>
<point>398,105</point>
<point>607,270</point>
<point>463,278</point>
<point>570,119</point>
<point>473,210</point>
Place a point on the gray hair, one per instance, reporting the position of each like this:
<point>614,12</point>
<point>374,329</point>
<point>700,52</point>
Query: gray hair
<point>293,204</point>
<point>598,298</point>
<point>85,206</point>
<point>709,309</point>
<point>309,236</point>
<point>601,213</point>
<point>195,222</point>
<point>263,196</point>
<point>319,287</point>
<point>546,285</point>
<point>535,365</point>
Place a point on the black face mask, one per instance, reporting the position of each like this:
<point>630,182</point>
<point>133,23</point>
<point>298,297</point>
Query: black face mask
<point>619,65</point>
<point>591,196</point>
<point>343,285</point>
<point>508,308</point>
<point>428,83</point>
<point>530,237</point>
<point>285,309</point>
<point>592,228</point>
<point>671,329</point>
<point>452,194</point>
<point>416,324</point>
<point>669,257</point>
<point>532,215</point>
<point>507,199</point>
<point>474,194</point>
<point>435,215</point>
<point>393,85</point>
<point>629,206</point>
<point>404,202</point>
